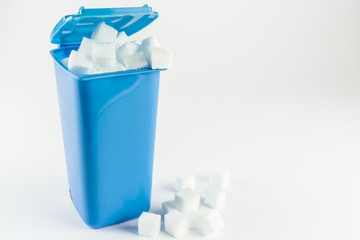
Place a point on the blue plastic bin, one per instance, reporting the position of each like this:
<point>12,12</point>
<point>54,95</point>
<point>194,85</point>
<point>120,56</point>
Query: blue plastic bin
<point>108,123</point>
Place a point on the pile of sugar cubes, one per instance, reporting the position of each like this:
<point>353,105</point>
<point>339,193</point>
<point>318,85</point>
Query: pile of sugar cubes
<point>110,51</point>
<point>184,213</point>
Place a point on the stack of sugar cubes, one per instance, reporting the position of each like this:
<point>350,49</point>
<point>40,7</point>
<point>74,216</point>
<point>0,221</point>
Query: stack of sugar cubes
<point>110,51</point>
<point>184,213</point>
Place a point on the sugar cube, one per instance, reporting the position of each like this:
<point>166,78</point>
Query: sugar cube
<point>160,57</point>
<point>176,224</point>
<point>210,222</point>
<point>193,217</point>
<point>126,50</point>
<point>149,225</point>
<point>136,61</point>
<point>150,42</point>
<point>104,33</point>
<point>220,178</point>
<point>187,199</point>
<point>79,63</point>
<point>104,54</point>
<point>121,39</point>
<point>169,206</point>
<point>86,47</point>
<point>185,181</point>
<point>214,197</point>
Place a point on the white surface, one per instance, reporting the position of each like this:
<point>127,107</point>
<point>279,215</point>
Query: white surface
<point>267,89</point>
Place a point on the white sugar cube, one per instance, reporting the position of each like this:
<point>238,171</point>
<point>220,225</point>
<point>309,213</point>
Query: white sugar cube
<point>193,217</point>
<point>160,57</point>
<point>215,197</point>
<point>185,181</point>
<point>65,61</point>
<point>149,225</point>
<point>176,224</point>
<point>119,67</point>
<point>104,33</point>
<point>104,54</point>
<point>150,42</point>
<point>169,206</point>
<point>220,178</point>
<point>126,50</point>
<point>96,70</point>
<point>121,39</point>
<point>86,47</point>
<point>136,61</point>
<point>79,63</point>
<point>187,199</point>
<point>210,222</point>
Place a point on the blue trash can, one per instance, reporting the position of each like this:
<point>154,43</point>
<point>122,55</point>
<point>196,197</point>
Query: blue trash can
<point>108,122</point>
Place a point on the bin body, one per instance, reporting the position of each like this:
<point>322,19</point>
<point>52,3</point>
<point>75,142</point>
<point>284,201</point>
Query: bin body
<point>108,124</point>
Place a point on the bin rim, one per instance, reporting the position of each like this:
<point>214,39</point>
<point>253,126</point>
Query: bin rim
<point>86,77</point>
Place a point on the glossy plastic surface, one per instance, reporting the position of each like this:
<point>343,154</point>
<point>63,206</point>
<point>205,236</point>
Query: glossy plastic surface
<point>108,122</point>
<point>72,28</point>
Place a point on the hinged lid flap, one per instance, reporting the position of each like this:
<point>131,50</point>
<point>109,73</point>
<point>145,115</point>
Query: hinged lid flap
<point>72,28</point>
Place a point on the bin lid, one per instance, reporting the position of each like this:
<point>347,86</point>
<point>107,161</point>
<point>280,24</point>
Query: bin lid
<point>72,28</point>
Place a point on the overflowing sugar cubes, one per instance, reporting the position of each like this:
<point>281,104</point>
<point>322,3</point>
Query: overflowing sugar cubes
<point>79,63</point>
<point>160,57</point>
<point>215,197</point>
<point>127,50</point>
<point>187,199</point>
<point>104,54</point>
<point>185,181</point>
<point>121,39</point>
<point>149,225</point>
<point>109,51</point>
<point>176,224</point>
<point>136,61</point>
<point>104,33</point>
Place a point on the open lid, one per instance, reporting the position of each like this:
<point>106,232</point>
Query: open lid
<point>72,28</point>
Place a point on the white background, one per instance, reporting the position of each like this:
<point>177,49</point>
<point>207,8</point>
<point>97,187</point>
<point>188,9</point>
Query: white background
<point>267,89</point>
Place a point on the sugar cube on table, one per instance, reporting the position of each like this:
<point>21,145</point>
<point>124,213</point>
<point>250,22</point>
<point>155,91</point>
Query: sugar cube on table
<point>220,178</point>
<point>214,197</point>
<point>210,222</point>
<point>185,181</point>
<point>136,61</point>
<point>193,217</point>
<point>126,50</point>
<point>149,225</point>
<point>104,33</point>
<point>187,199</point>
<point>86,47</point>
<point>104,54</point>
<point>121,39</point>
<point>160,57</point>
<point>79,63</point>
<point>169,206</point>
<point>176,224</point>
